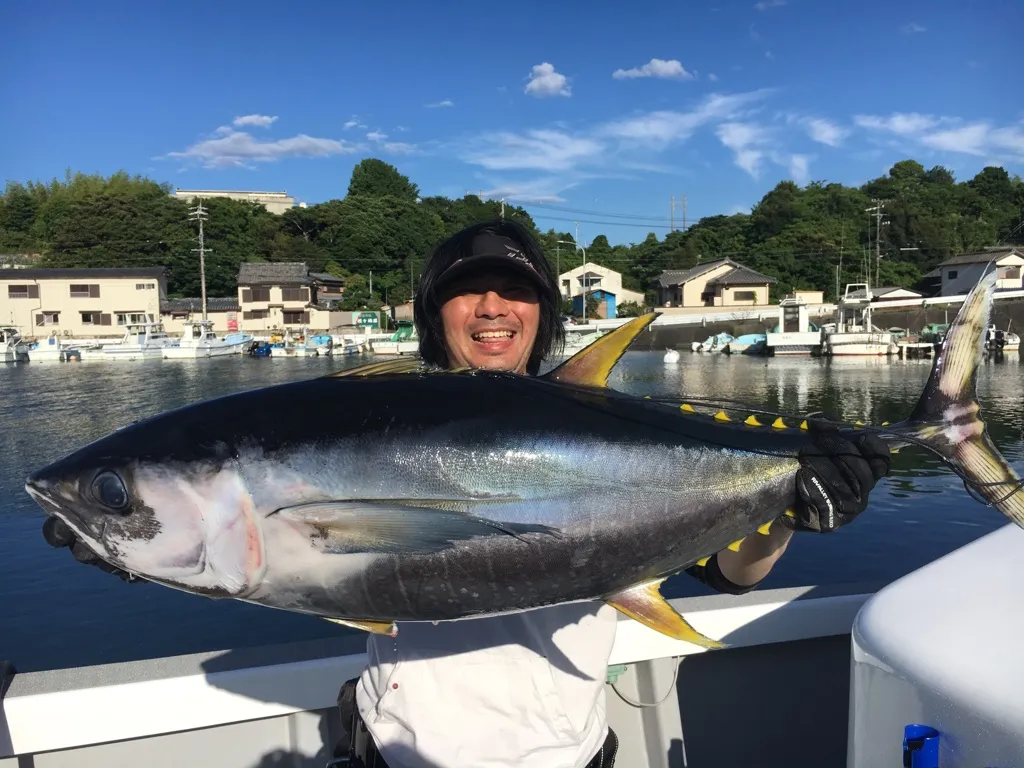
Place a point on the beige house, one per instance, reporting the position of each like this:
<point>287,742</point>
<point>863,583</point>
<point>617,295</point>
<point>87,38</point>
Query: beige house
<point>718,283</point>
<point>599,282</point>
<point>79,303</point>
<point>961,273</point>
<point>275,297</point>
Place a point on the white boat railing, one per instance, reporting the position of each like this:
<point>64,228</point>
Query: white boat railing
<point>69,709</point>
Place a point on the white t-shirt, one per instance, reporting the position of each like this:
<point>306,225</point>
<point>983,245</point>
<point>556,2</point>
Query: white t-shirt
<point>524,690</point>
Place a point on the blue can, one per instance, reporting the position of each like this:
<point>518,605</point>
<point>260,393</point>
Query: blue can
<point>920,746</point>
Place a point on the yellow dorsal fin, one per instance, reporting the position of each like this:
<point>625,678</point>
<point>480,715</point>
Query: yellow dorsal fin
<point>752,421</point>
<point>401,365</point>
<point>374,627</point>
<point>779,423</point>
<point>644,604</point>
<point>720,416</point>
<point>687,407</point>
<point>703,561</point>
<point>591,365</point>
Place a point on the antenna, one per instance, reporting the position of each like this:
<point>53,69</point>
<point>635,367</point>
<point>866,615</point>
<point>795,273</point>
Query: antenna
<point>199,214</point>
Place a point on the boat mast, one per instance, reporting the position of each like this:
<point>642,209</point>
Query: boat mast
<point>199,214</point>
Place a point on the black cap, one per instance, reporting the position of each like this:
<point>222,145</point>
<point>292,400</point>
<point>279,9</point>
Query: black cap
<point>493,250</point>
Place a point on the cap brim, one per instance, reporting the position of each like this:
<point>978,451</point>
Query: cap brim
<point>497,262</point>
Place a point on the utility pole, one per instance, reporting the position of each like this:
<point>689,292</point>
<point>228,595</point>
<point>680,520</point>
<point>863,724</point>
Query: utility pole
<point>503,209</point>
<point>199,214</point>
<point>878,208</point>
<point>672,216</point>
<point>684,213</point>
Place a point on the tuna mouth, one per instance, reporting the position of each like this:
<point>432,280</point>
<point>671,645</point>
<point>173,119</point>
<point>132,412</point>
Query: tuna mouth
<point>43,494</point>
<point>493,335</point>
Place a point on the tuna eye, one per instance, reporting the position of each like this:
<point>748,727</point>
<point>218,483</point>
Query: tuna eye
<point>110,491</point>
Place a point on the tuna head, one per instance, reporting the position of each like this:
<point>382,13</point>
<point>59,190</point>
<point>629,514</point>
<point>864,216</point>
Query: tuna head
<point>187,524</point>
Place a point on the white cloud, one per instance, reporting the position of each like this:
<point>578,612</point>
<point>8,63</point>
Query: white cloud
<point>260,121</point>
<point>353,123</point>
<point>545,150</point>
<point>376,136</point>
<point>979,138</point>
<point>826,132</point>
<point>399,148</point>
<point>239,148</point>
<point>713,77</point>
<point>670,70</point>
<point>798,167</point>
<point>746,141</point>
<point>764,5</point>
<point>442,103</point>
<point>664,126</point>
<point>902,123</point>
<point>913,28</point>
<point>545,81</point>
<point>543,190</point>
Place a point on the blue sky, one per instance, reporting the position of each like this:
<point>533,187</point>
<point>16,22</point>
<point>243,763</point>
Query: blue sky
<point>595,112</point>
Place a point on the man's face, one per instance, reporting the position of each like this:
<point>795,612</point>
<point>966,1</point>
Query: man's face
<point>490,320</point>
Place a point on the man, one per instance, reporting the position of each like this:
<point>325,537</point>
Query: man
<point>527,689</point>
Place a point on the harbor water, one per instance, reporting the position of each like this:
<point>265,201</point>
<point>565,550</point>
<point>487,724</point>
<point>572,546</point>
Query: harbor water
<point>58,613</point>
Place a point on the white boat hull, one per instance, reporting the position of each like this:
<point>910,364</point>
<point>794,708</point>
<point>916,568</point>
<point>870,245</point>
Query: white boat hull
<point>212,350</point>
<point>860,344</point>
<point>793,343</point>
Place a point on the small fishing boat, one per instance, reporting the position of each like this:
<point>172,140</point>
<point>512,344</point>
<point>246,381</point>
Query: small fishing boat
<point>200,340</point>
<point>747,344</point>
<point>12,348</point>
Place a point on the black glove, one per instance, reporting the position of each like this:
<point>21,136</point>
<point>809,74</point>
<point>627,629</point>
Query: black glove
<point>58,534</point>
<point>835,478</point>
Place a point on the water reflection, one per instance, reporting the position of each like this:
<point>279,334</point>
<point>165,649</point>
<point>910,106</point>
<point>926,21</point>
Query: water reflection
<point>57,613</point>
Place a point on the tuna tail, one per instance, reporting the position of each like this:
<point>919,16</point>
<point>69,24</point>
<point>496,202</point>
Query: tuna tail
<point>947,419</point>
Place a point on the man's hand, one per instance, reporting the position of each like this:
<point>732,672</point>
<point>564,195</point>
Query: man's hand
<point>58,534</point>
<point>834,480</point>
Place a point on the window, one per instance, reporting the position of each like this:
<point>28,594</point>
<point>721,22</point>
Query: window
<point>255,314</point>
<point>82,291</point>
<point>250,295</point>
<point>48,318</point>
<point>951,275</point>
<point>130,318</point>
<point>295,294</point>
<point>23,291</point>
<point>745,295</point>
<point>145,286</point>
<point>95,318</point>
<point>1009,273</point>
<point>294,317</point>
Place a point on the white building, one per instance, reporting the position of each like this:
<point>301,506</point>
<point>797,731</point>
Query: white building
<point>275,202</point>
<point>602,283</point>
<point>961,273</point>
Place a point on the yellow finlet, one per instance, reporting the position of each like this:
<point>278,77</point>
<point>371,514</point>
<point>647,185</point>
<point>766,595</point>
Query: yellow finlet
<point>374,627</point>
<point>885,423</point>
<point>790,513</point>
<point>779,423</point>
<point>402,365</point>
<point>703,561</point>
<point>687,408</point>
<point>858,423</point>
<point>591,365</point>
<point>803,425</point>
<point>764,529</point>
<point>644,603</point>
<point>751,421</point>
<point>735,546</point>
<point>720,416</point>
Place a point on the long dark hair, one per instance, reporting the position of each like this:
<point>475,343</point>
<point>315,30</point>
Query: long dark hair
<point>427,310</point>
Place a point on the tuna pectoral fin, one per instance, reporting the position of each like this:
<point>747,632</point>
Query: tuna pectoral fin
<point>395,528</point>
<point>592,364</point>
<point>388,628</point>
<point>645,604</point>
<point>401,365</point>
<point>947,417</point>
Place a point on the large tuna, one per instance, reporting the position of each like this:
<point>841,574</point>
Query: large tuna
<point>387,493</point>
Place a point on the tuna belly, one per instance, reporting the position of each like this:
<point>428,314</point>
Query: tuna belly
<point>626,539</point>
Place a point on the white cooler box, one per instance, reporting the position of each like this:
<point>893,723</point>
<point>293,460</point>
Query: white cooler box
<point>943,648</point>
